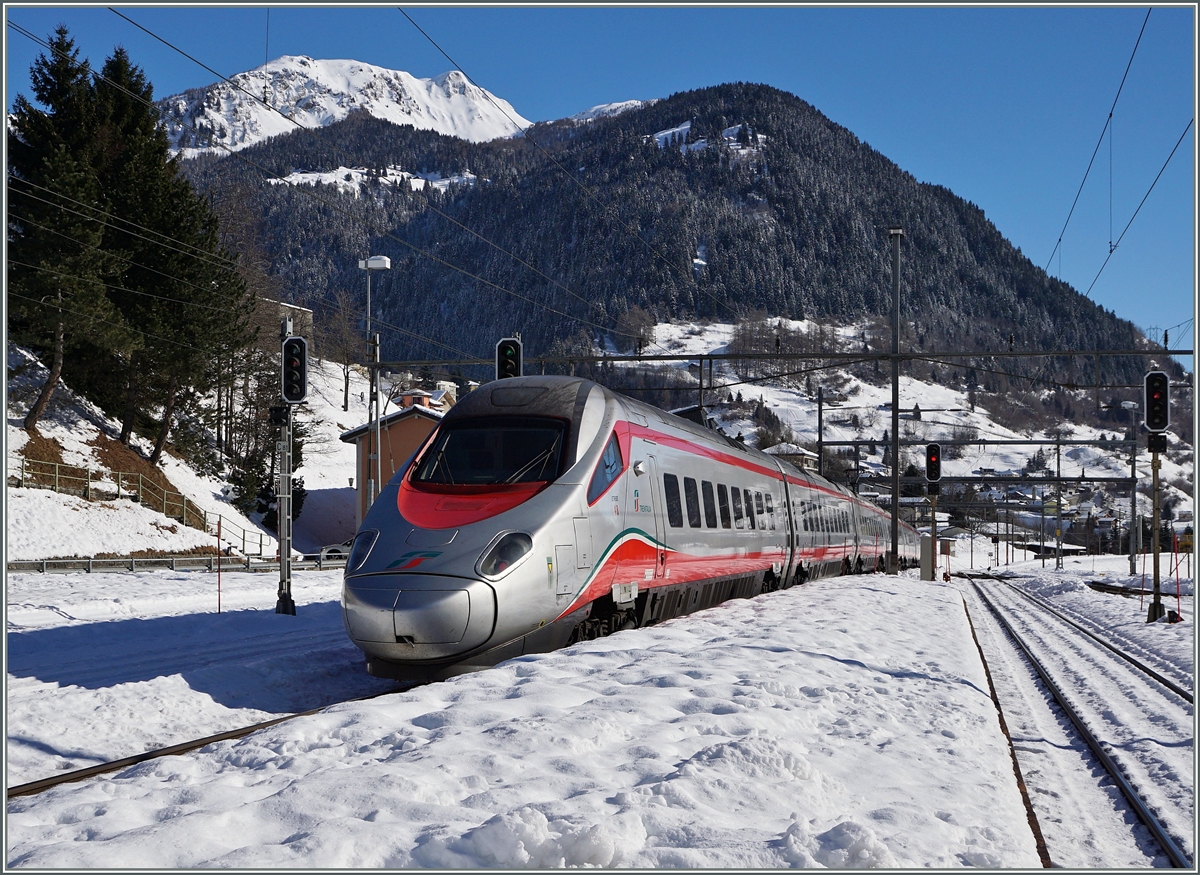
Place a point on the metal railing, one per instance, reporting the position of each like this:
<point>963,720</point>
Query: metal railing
<point>94,486</point>
<point>174,563</point>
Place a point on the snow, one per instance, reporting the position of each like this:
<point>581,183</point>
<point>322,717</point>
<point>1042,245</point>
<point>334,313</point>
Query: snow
<point>316,93</point>
<point>350,180</point>
<point>846,723</point>
<point>42,524</point>
<point>605,110</point>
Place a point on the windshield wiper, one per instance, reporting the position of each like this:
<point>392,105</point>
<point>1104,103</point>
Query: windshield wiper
<point>543,457</point>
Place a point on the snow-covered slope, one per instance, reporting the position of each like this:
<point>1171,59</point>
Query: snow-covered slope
<point>604,110</point>
<point>298,91</point>
<point>87,528</point>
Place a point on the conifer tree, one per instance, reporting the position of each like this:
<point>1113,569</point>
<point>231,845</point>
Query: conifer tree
<point>58,300</point>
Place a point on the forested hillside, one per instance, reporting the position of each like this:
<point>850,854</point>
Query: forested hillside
<point>754,204</point>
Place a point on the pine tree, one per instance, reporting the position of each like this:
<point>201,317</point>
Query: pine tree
<point>58,298</point>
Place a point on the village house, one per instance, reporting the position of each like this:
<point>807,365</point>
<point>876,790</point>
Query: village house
<point>401,433</point>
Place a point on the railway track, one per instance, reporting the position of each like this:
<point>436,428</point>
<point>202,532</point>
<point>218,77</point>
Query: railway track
<point>32,788</point>
<point>1122,709</point>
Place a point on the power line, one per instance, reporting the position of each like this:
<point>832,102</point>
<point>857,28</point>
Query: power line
<point>336,208</point>
<point>326,141</point>
<point>93,318</point>
<point>1113,247</point>
<point>60,273</point>
<point>588,192</point>
<point>1107,122</point>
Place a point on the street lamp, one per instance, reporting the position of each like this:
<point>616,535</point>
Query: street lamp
<point>375,476</point>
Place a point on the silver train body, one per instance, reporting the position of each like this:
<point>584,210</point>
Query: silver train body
<point>545,510</point>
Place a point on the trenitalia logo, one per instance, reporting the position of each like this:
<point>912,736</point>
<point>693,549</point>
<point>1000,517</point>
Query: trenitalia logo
<point>413,558</point>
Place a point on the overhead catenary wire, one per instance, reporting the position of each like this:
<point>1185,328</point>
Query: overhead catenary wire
<point>1113,247</point>
<point>1107,123</point>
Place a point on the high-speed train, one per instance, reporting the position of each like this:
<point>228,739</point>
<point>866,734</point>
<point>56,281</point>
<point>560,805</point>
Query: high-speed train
<point>546,510</point>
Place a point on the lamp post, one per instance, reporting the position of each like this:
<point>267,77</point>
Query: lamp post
<point>374,472</point>
<point>895,233</point>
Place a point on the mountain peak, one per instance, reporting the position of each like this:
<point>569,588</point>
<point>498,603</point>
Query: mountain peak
<point>298,91</point>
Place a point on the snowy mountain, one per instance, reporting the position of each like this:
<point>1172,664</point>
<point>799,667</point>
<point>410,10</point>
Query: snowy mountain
<point>298,91</point>
<point>605,110</point>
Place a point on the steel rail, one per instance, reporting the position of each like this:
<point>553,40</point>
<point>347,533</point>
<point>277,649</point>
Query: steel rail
<point>1166,682</point>
<point>34,787</point>
<point>1174,853</point>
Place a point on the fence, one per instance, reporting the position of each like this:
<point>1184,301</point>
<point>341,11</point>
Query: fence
<point>93,486</point>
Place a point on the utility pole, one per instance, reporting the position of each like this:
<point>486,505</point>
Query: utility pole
<point>1133,489</point>
<point>1156,606</point>
<point>820,431</point>
<point>374,262</point>
<point>1058,563</point>
<point>894,552</point>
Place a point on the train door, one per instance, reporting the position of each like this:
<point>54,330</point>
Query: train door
<point>660,523</point>
<point>642,556</point>
<point>786,516</point>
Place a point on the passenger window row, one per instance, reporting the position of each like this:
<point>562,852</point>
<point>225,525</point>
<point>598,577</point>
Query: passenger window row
<point>750,509</point>
<point>816,517</point>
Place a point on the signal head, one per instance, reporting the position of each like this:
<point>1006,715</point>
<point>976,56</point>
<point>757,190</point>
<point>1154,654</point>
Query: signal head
<point>933,462</point>
<point>295,370</point>
<point>508,358</point>
<point>1157,401</point>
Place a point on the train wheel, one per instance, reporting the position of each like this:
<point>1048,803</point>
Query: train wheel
<point>858,566</point>
<point>845,565</point>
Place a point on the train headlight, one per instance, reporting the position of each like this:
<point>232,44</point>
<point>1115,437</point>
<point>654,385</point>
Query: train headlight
<point>360,549</point>
<point>506,553</point>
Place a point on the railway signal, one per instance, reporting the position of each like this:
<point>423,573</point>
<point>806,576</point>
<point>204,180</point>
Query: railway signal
<point>1158,404</point>
<point>508,358</point>
<point>933,466</point>
<point>933,462</point>
<point>295,370</point>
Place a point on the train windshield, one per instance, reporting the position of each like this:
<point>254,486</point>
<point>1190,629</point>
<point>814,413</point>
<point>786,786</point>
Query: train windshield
<point>495,451</point>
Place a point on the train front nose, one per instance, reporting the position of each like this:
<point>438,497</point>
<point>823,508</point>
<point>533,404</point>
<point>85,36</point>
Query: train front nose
<point>418,617</point>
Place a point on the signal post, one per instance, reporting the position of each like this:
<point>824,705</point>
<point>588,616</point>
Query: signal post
<point>294,380</point>
<point>1158,417</point>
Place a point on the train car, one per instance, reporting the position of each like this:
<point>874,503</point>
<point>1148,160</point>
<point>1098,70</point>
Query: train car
<point>546,510</point>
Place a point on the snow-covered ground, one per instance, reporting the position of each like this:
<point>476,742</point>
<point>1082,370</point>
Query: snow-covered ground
<point>846,723</point>
<point>41,524</point>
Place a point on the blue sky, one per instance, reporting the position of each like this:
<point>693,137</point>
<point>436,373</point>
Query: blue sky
<point>1004,106</point>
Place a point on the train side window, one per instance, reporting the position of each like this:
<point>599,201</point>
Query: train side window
<point>758,503</point>
<point>693,501</point>
<point>710,504</point>
<point>770,510</point>
<point>738,521</point>
<point>607,470</point>
<point>749,508</point>
<point>723,504</point>
<point>671,495</point>
<point>804,516</point>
